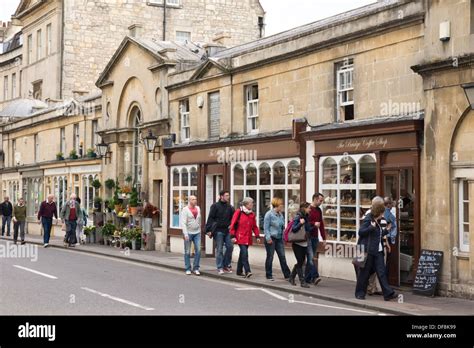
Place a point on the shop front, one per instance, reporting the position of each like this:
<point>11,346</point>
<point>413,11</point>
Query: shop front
<point>261,169</point>
<point>354,163</point>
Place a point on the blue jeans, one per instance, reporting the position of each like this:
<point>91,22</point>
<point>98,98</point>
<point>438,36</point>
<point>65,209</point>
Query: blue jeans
<point>243,259</point>
<point>223,259</point>
<point>311,272</point>
<point>6,220</point>
<point>373,263</point>
<point>71,226</point>
<point>277,245</point>
<point>196,239</point>
<point>47,223</point>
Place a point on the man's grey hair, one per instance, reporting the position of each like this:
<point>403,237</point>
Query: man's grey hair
<point>388,200</point>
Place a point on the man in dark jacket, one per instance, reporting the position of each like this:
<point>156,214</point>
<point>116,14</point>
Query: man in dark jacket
<point>217,226</point>
<point>6,209</point>
<point>46,212</point>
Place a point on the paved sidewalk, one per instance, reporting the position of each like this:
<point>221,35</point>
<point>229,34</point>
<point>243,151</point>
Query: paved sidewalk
<point>331,289</point>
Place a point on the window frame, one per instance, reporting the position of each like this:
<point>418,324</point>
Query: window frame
<point>13,94</point>
<point>180,188</point>
<point>5,87</point>
<point>252,103</point>
<point>184,118</point>
<point>39,44</point>
<point>48,39</point>
<point>461,223</point>
<point>344,68</point>
<point>29,45</point>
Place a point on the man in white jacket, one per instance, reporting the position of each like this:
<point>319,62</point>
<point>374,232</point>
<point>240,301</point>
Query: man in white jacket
<point>191,225</point>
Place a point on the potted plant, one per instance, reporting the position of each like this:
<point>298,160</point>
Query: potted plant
<point>91,153</point>
<point>107,231</point>
<point>96,184</point>
<point>116,201</point>
<point>73,154</point>
<point>128,179</point>
<point>98,203</point>
<point>110,184</point>
<point>89,231</point>
<point>135,237</point>
<point>60,156</point>
<point>133,203</point>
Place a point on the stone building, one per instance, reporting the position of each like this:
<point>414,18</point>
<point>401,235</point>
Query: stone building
<point>335,107</point>
<point>52,54</point>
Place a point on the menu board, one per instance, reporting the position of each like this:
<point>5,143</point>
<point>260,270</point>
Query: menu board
<point>427,274</point>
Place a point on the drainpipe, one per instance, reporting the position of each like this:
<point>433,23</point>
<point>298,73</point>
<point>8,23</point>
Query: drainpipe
<point>164,20</point>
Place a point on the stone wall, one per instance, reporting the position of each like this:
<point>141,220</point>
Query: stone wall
<point>94,29</point>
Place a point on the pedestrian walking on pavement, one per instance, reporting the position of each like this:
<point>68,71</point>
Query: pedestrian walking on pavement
<point>19,221</point>
<point>148,237</point>
<point>217,227</point>
<point>371,236</point>
<point>47,210</point>
<point>81,222</point>
<point>6,209</point>
<point>241,228</point>
<point>191,227</point>
<point>301,221</point>
<point>70,213</point>
<point>273,226</point>
<point>317,224</point>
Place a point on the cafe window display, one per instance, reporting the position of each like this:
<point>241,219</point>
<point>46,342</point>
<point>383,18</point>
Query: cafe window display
<point>33,193</point>
<point>88,192</point>
<point>348,183</point>
<point>264,180</point>
<point>183,184</point>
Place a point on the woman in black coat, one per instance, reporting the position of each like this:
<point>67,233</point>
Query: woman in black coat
<point>371,242</point>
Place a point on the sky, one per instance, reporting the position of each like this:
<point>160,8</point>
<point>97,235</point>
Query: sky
<point>281,14</point>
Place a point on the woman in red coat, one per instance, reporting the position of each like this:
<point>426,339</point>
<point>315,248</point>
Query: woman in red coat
<point>241,227</point>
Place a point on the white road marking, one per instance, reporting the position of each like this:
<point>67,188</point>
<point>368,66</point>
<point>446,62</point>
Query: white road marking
<point>36,272</point>
<point>303,302</point>
<point>118,299</point>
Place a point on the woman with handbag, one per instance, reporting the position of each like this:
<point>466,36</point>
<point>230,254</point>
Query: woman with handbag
<point>299,239</point>
<point>371,247</point>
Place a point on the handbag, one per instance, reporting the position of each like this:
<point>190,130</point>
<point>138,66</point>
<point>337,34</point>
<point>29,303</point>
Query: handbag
<point>359,261</point>
<point>297,237</point>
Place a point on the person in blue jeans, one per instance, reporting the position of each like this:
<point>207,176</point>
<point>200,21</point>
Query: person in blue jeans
<point>47,210</point>
<point>191,225</point>
<point>217,226</point>
<point>273,226</point>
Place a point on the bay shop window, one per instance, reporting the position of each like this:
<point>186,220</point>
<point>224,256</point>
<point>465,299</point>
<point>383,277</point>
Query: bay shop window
<point>58,186</point>
<point>264,180</point>
<point>184,183</point>
<point>348,183</point>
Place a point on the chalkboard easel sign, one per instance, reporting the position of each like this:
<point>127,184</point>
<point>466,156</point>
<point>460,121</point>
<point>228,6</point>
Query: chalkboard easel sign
<point>427,274</point>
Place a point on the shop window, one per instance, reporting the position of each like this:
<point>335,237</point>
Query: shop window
<point>264,181</point>
<point>33,194</point>
<point>60,191</point>
<point>252,103</point>
<point>464,225</point>
<point>88,192</point>
<point>348,184</point>
<point>184,184</point>
<point>345,90</point>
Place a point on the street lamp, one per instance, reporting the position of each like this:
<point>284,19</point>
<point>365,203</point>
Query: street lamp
<point>151,142</point>
<point>469,90</point>
<point>102,150</point>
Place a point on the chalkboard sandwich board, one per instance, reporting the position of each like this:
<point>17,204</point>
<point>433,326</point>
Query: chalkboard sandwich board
<point>427,274</point>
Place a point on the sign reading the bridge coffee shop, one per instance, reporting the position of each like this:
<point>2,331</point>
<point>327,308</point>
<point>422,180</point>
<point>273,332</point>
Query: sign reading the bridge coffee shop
<point>427,274</point>
<point>366,144</point>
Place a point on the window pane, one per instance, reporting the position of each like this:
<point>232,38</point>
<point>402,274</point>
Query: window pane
<point>329,171</point>
<point>466,190</point>
<point>184,177</point>
<point>278,174</point>
<point>253,194</point>
<point>280,194</point>
<point>367,170</point>
<point>175,177</point>
<point>293,173</point>
<point>348,171</point>
<point>466,212</point>
<point>293,203</point>
<point>264,203</point>
<point>251,175</point>
<point>238,175</point>
<point>193,174</point>
<point>175,221</point>
<point>265,174</point>
<point>238,197</point>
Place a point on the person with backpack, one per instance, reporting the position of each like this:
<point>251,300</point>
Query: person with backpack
<point>241,227</point>
<point>303,228</point>
<point>273,226</point>
<point>217,226</point>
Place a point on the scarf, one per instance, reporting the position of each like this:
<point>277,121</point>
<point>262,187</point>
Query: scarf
<point>246,211</point>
